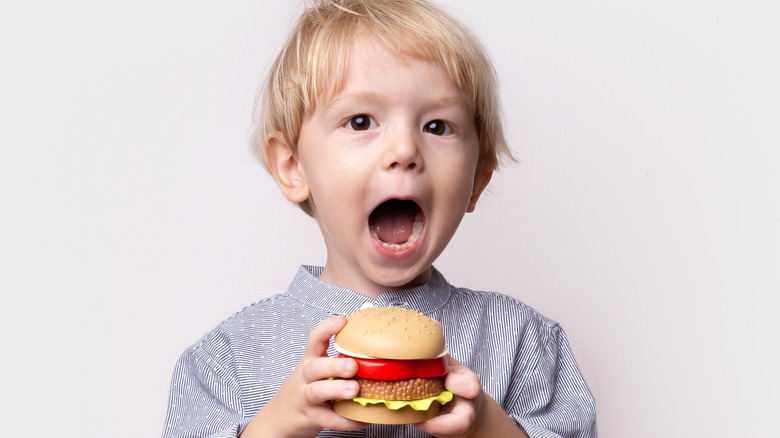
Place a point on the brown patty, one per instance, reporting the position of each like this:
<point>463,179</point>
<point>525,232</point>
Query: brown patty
<point>410,389</point>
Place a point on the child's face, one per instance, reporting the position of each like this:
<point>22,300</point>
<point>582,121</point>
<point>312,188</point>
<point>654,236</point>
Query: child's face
<point>391,163</point>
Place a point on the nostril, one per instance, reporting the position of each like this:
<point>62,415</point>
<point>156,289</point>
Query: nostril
<point>397,165</point>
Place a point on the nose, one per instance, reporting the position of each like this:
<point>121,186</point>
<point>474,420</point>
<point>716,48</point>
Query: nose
<point>403,151</point>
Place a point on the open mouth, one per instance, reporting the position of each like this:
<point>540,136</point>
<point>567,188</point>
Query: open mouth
<point>396,224</point>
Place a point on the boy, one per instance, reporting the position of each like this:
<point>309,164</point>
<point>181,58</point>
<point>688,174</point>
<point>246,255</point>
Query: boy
<point>380,119</point>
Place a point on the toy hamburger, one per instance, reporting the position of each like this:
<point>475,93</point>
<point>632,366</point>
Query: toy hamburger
<point>401,361</point>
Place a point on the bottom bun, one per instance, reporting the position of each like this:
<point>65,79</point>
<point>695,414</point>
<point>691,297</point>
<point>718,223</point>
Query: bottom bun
<point>379,414</point>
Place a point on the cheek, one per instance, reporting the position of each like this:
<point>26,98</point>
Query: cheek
<point>457,179</point>
<point>336,192</point>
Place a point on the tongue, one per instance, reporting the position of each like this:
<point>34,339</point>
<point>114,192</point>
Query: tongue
<point>393,221</point>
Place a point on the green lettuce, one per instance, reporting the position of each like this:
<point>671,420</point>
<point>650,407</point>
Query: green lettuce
<point>417,405</point>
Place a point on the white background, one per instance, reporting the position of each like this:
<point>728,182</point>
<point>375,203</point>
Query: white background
<point>643,217</point>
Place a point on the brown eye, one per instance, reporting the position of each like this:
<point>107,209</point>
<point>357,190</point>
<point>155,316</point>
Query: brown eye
<point>360,122</point>
<point>437,127</point>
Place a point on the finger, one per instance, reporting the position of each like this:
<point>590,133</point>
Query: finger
<point>454,421</point>
<point>325,417</point>
<point>461,380</point>
<point>326,367</point>
<point>319,338</point>
<point>454,365</point>
<point>326,390</point>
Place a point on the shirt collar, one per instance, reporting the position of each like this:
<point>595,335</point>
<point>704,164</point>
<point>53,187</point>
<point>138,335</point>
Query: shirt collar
<point>309,289</point>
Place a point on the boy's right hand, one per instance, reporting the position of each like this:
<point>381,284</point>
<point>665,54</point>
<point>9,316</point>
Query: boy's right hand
<point>301,407</point>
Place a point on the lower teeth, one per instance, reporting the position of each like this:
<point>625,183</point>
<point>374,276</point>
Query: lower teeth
<point>416,232</point>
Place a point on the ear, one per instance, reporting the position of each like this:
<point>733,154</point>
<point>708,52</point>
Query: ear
<point>481,179</point>
<point>285,168</point>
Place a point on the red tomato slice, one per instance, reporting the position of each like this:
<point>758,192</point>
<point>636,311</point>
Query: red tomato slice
<point>388,369</point>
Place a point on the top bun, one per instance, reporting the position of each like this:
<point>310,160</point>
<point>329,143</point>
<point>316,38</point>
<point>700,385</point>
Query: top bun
<point>392,333</point>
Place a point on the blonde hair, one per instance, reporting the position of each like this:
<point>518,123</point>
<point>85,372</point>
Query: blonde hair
<point>311,66</point>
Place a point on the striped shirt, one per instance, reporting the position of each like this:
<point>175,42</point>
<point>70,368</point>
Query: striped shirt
<point>522,358</point>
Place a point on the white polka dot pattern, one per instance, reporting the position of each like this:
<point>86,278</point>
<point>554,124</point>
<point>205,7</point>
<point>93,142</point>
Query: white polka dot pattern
<point>523,359</point>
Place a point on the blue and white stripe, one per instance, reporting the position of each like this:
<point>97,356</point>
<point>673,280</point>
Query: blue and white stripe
<point>523,359</point>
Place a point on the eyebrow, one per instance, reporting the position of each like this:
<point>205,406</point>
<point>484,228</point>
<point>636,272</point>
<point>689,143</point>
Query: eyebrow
<point>360,96</point>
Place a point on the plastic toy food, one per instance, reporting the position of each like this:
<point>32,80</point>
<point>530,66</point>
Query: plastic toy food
<point>401,362</point>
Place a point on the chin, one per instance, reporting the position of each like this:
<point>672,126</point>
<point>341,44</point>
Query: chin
<point>402,278</point>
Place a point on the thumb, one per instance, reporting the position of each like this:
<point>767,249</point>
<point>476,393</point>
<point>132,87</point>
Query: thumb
<point>461,380</point>
<point>319,338</point>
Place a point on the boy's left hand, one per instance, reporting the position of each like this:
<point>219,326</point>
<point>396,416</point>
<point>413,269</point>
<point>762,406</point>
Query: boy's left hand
<point>458,416</point>
<point>471,413</point>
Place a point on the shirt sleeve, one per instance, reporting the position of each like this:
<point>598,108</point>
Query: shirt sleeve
<point>553,400</point>
<point>204,397</point>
